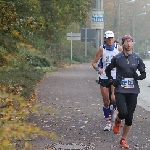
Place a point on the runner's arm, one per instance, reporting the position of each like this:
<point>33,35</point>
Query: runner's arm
<point>110,67</point>
<point>98,55</point>
<point>141,69</point>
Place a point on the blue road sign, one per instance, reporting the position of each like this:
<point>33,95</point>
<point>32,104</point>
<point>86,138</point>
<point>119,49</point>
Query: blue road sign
<point>97,17</point>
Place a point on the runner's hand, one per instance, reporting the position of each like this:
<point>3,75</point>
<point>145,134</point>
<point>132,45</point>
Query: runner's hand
<point>100,71</point>
<point>111,81</point>
<point>117,81</point>
<point>136,76</point>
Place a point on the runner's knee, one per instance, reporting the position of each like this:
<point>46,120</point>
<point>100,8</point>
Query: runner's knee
<point>106,103</point>
<point>106,100</point>
<point>122,115</point>
<point>128,121</point>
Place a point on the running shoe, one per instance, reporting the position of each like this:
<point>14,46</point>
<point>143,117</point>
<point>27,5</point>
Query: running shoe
<point>123,143</point>
<point>108,126</point>
<point>116,127</point>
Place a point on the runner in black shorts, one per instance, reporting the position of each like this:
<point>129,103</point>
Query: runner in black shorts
<point>102,58</point>
<point>126,85</point>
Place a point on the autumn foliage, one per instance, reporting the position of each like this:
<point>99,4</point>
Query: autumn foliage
<point>14,111</point>
<point>26,26</point>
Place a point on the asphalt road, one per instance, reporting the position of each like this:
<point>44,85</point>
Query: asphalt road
<point>144,96</point>
<point>73,92</point>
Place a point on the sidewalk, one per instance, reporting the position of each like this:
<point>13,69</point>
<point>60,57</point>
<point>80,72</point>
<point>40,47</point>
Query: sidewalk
<point>75,94</point>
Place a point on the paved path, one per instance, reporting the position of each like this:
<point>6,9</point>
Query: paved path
<point>75,94</point>
<point>144,96</point>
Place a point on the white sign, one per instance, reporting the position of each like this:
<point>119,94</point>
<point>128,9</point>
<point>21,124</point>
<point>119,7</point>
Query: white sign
<point>97,19</point>
<point>73,36</point>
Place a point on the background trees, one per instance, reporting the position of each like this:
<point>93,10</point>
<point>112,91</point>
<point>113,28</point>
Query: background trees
<point>44,23</point>
<point>131,11</point>
<point>32,21</point>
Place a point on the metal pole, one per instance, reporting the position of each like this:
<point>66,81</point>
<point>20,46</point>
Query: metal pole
<point>133,31</point>
<point>98,4</point>
<point>97,30</point>
<point>146,53</point>
<point>102,4</point>
<point>71,49</point>
<point>85,42</point>
<point>97,36</point>
<point>102,38</point>
<point>71,45</point>
<point>119,23</point>
<point>102,30</point>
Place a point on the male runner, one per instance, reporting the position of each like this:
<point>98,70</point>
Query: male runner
<point>102,59</point>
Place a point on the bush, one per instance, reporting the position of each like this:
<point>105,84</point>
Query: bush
<point>26,78</point>
<point>37,61</point>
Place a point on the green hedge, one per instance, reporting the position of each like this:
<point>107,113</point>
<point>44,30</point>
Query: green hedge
<point>37,61</point>
<point>21,78</point>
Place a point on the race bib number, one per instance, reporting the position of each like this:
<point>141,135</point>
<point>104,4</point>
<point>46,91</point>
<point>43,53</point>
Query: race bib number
<point>127,83</point>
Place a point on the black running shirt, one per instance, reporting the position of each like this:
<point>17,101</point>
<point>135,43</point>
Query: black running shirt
<point>126,66</point>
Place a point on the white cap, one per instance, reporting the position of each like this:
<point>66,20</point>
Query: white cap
<point>109,34</point>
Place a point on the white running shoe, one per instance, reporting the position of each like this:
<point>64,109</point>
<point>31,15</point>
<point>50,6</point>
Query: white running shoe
<point>108,126</point>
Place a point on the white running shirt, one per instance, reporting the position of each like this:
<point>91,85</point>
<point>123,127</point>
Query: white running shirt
<point>106,60</point>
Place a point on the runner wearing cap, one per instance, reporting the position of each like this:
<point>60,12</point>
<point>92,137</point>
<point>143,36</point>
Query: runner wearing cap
<point>126,85</point>
<point>102,59</point>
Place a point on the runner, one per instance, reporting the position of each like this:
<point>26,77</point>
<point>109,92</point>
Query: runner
<point>102,58</point>
<point>126,85</point>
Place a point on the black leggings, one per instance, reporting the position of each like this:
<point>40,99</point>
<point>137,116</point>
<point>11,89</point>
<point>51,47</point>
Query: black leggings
<point>126,104</point>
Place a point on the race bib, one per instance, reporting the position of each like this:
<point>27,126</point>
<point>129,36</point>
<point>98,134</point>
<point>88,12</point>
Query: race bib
<point>127,83</point>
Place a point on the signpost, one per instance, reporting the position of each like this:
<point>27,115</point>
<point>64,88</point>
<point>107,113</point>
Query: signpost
<point>73,36</point>
<point>97,22</point>
<point>97,19</point>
